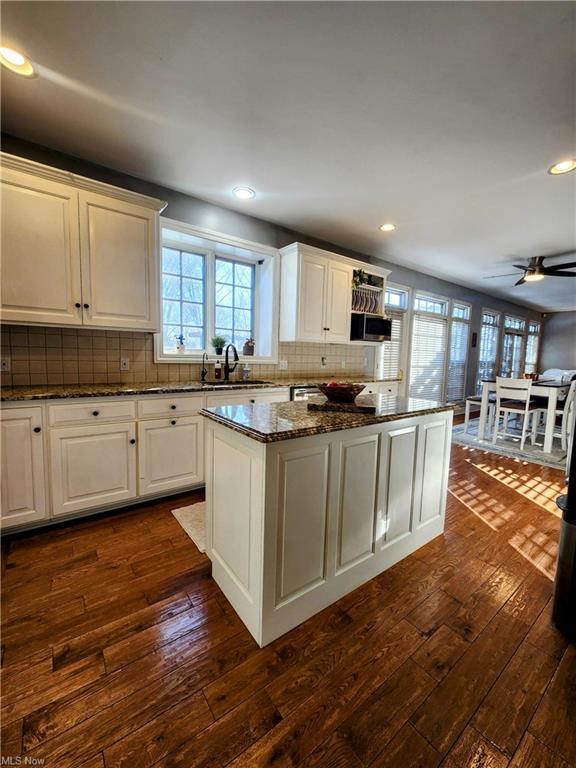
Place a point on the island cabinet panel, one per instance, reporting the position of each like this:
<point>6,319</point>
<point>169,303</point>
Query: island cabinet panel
<point>397,477</point>
<point>40,251</point>
<point>302,516</point>
<point>23,478</point>
<point>357,501</point>
<point>433,438</point>
<point>170,453</point>
<point>92,467</point>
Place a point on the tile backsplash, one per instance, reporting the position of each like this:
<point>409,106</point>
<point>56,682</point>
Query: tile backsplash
<point>46,355</point>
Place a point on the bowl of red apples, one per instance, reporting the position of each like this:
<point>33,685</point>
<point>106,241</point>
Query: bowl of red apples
<point>341,391</point>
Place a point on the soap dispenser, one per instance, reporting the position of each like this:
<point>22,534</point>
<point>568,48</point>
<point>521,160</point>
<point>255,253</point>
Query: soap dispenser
<point>218,370</point>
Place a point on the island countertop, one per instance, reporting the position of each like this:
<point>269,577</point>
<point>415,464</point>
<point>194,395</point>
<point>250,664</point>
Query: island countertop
<point>272,422</point>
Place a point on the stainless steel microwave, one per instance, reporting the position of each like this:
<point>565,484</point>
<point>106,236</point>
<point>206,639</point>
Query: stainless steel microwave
<point>366,327</point>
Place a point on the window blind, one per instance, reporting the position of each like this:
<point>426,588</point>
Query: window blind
<point>391,351</point>
<point>459,334</point>
<point>428,357</point>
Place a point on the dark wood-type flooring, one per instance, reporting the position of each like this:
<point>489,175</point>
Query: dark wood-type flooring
<point>118,649</point>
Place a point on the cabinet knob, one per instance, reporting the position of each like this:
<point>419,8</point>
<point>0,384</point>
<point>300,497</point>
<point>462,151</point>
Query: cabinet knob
<point>173,422</point>
<point>95,413</point>
<point>86,306</point>
<point>252,401</point>
<point>132,442</point>
<point>77,305</point>
<point>37,429</point>
<point>173,407</point>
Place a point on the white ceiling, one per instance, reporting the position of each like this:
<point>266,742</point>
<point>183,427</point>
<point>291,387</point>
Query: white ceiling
<point>440,117</point>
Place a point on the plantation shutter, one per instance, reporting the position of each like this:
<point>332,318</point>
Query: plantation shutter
<point>428,357</point>
<point>459,333</point>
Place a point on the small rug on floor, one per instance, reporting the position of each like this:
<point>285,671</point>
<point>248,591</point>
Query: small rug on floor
<point>193,520</point>
<point>510,446</point>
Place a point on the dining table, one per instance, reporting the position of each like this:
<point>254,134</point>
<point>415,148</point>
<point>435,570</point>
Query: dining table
<point>551,389</point>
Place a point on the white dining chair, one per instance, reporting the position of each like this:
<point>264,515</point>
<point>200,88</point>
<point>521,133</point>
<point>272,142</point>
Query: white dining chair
<point>568,413</point>
<point>513,398</point>
<point>477,400</point>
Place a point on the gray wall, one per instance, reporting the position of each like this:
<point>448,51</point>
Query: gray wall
<point>203,214</point>
<point>559,341</point>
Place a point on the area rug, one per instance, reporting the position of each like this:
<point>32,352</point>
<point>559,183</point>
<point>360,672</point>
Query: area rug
<point>193,520</point>
<point>510,446</point>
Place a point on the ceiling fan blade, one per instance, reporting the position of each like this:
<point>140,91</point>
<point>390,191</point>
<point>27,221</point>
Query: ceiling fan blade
<point>567,265</point>
<point>558,273</point>
<point>521,281</point>
<point>518,266</point>
<point>509,274</point>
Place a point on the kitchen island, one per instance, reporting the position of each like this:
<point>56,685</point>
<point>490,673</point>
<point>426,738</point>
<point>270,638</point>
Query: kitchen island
<point>304,506</point>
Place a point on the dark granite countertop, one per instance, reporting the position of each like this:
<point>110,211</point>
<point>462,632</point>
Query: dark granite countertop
<point>51,392</point>
<point>270,423</point>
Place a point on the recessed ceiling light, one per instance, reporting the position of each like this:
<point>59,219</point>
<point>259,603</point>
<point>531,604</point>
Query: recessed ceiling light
<point>243,193</point>
<point>565,166</point>
<point>16,62</point>
<point>388,227</point>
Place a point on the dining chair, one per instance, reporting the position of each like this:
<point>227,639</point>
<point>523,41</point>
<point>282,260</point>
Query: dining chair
<point>566,409</point>
<point>477,400</point>
<point>513,397</point>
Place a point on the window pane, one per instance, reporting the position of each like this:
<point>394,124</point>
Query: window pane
<point>169,334</point>
<point>224,295</point>
<point>224,317</point>
<point>170,287</point>
<point>428,358</point>
<point>224,271</point>
<point>192,314</point>
<point>225,332</point>
<point>193,337</point>
<point>171,311</point>
<point>243,274</point>
<point>193,265</point>
<point>170,261</point>
<point>192,290</point>
<point>459,332</point>
<point>243,319</point>
<point>243,298</point>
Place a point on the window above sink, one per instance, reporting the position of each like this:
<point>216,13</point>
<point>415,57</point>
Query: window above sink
<point>215,285</point>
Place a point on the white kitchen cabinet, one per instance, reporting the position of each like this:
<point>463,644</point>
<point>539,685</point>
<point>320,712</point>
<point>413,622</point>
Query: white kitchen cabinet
<point>118,248</point>
<point>77,252</point>
<point>170,453</point>
<point>381,388</point>
<point>316,295</point>
<point>92,466</point>
<point>40,251</point>
<point>23,476</point>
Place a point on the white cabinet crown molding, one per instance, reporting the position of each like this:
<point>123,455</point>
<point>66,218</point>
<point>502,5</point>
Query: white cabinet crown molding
<point>79,182</point>
<point>312,250</point>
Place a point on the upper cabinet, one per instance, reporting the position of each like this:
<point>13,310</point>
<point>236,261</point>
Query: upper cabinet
<point>316,294</point>
<point>77,252</point>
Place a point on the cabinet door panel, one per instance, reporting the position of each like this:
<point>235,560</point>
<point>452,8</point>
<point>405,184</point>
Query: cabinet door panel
<point>339,303</point>
<point>397,497</point>
<point>311,311</point>
<point>23,478</point>
<point>170,455</point>
<point>92,466</point>
<point>119,263</point>
<point>432,449</point>
<point>40,251</point>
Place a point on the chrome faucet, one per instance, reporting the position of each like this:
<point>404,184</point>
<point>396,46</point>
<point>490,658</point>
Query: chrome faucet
<point>204,371</point>
<point>228,369</point>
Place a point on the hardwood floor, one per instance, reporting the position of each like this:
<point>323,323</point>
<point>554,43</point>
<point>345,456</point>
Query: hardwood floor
<point>119,651</point>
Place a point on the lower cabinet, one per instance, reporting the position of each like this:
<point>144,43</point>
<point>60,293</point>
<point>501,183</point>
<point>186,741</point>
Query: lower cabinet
<point>92,466</point>
<point>23,476</point>
<point>170,453</point>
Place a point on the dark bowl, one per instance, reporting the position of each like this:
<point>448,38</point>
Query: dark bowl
<point>343,393</point>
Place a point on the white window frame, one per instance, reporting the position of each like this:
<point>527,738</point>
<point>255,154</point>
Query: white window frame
<point>271,262</point>
<point>521,332</point>
<point>452,320</point>
<point>538,336</point>
<point>499,340</point>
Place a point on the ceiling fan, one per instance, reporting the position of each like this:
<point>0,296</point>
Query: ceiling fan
<point>536,270</point>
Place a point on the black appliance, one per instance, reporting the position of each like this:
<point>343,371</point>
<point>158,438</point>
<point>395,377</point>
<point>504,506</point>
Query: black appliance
<point>367,327</point>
